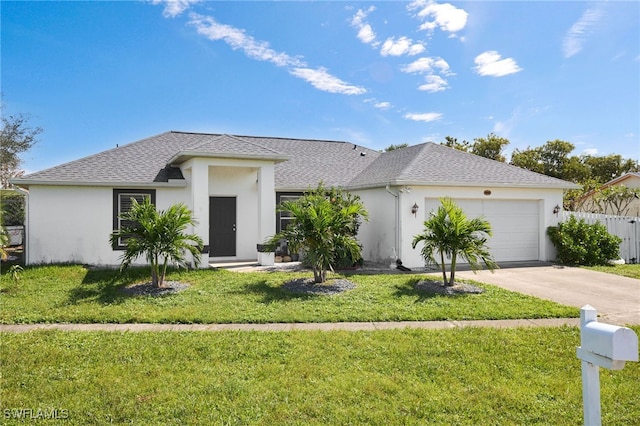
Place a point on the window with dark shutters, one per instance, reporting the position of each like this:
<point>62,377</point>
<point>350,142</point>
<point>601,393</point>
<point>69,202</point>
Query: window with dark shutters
<point>122,202</point>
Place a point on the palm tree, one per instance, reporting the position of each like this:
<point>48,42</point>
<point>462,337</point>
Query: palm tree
<point>324,226</point>
<point>158,235</point>
<point>449,233</point>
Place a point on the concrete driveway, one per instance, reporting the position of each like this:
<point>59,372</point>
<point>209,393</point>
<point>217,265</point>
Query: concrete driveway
<point>617,299</point>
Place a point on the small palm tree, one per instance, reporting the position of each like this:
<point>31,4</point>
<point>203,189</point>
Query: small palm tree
<point>158,235</point>
<point>324,226</point>
<point>449,233</point>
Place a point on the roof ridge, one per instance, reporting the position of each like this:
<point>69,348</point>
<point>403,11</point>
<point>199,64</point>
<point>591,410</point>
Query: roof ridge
<point>268,137</point>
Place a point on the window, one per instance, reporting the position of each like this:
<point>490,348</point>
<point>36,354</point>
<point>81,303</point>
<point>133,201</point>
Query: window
<point>122,203</point>
<point>283,219</point>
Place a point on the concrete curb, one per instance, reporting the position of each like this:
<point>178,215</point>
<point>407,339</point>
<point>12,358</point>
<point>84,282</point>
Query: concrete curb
<point>346,326</point>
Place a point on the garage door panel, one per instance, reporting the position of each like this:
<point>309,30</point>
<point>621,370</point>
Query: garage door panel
<point>514,223</point>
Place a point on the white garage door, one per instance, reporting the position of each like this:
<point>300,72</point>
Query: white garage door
<point>514,223</point>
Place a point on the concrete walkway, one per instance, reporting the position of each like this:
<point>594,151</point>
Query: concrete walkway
<point>347,326</point>
<point>616,298</point>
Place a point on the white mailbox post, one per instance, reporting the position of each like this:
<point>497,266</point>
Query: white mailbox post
<point>601,345</point>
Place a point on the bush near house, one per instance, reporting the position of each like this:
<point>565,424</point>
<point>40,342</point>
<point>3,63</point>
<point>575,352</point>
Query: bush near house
<point>580,243</point>
<point>324,226</point>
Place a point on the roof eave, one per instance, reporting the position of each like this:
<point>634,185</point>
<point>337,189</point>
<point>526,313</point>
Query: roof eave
<point>183,156</point>
<point>566,186</point>
<point>172,183</point>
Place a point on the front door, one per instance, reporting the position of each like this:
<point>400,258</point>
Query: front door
<point>222,226</point>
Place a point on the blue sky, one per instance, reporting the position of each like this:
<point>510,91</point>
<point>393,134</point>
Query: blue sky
<point>97,74</point>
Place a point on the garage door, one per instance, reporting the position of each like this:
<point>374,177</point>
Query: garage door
<point>514,223</point>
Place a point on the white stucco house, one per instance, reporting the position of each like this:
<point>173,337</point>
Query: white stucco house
<point>233,184</point>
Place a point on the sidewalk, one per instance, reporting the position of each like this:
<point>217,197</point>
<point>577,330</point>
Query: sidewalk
<point>347,326</point>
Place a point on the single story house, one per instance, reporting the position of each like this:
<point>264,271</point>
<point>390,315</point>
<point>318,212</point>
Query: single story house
<point>629,180</point>
<point>233,184</point>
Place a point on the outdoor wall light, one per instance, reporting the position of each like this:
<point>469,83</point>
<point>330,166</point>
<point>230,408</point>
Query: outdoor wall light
<point>556,210</point>
<point>414,209</point>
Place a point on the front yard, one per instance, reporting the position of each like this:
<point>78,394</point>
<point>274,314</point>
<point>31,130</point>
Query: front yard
<point>77,294</point>
<point>470,376</point>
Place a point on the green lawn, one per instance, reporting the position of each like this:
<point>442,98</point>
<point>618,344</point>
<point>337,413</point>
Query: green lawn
<point>471,376</point>
<point>76,294</point>
<point>631,271</point>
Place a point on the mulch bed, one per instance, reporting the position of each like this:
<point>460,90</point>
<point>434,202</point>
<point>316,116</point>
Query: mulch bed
<point>308,286</point>
<point>148,289</point>
<point>436,287</point>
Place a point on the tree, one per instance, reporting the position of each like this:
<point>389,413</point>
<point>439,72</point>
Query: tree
<point>324,226</point>
<point>615,199</point>
<point>452,142</point>
<point>554,154</point>
<point>606,167</point>
<point>529,159</point>
<point>449,233</point>
<point>492,147</point>
<point>552,159</point>
<point>158,235</point>
<point>16,137</point>
<point>393,147</point>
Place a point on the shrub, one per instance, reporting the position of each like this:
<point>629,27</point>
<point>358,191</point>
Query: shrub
<point>579,243</point>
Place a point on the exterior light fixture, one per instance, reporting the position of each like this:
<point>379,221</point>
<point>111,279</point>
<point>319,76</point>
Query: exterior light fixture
<point>556,210</point>
<point>414,209</point>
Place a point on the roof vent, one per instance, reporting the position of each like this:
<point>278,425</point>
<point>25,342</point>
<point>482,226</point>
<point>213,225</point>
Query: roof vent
<point>362,154</point>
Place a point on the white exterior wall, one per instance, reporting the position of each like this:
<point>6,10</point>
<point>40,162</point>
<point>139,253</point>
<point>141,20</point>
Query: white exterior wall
<point>73,223</point>
<point>378,235</point>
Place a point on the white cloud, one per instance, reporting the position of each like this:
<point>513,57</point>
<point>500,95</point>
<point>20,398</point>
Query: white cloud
<point>590,151</point>
<point>575,38</point>
<point>434,83</point>
<point>427,65</point>
<point>260,50</point>
<point>321,79</point>
<point>402,46</point>
<point>237,39</point>
<point>173,8</point>
<point>439,15</point>
<point>490,64</point>
<point>426,116</point>
<point>365,31</point>
<point>382,105</point>
<point>367,35</point>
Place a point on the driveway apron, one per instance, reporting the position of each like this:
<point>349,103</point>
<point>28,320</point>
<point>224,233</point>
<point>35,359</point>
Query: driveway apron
<point>617,299</point>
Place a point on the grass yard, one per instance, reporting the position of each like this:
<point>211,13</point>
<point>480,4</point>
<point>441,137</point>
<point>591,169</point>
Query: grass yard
<point>471,376</point>
<point>631,271</point>
<point>75,294</point>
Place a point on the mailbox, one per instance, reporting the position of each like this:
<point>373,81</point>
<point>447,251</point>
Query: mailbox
<point>602,345</point>
<point>611,341</point>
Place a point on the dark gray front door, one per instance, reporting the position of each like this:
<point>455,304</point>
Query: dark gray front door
<point>222,226</point>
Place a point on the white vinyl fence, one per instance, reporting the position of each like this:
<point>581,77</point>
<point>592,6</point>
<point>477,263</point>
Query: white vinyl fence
<point>625,227</point>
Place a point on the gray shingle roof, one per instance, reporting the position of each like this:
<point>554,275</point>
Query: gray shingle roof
<point>147,162</point>
<point>431,163</point>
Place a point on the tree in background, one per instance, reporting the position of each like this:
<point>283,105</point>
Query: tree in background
<point>606,167</point>
<point>448,233</point>
<point>16,137</point>
<point>324,226</point>
<point>452,142</point>
<point>158,235</point>
<point>393,147</point>
<point>490,147</point>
